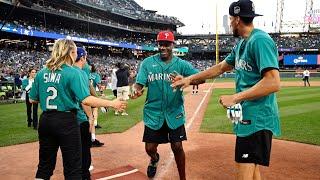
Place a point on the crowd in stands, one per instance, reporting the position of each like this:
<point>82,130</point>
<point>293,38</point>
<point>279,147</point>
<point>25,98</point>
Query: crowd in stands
<point>13,62</point>
<point>130,8</point>
<point>101,20</point>
<point>226,43</point>
<point>312,41</point>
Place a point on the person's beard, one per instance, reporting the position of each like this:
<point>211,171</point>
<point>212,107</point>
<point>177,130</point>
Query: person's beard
<point>235,33</point>
<point>166,56</point>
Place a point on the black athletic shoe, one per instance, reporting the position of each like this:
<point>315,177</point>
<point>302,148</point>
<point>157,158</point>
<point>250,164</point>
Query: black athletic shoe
<point>152,168</point>
<point>98,126</point>
<point>29,124</point>
<point>97,143</point>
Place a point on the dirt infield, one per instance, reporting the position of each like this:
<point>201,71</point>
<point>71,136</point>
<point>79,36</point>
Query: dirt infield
<point>208,155</point>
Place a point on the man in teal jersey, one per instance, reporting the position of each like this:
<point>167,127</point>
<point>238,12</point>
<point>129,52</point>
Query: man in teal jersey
<point>255,60</point>
<point>87,70</point>
<point>163,113</point>
<point>95,80</point>
<point>84,116</point>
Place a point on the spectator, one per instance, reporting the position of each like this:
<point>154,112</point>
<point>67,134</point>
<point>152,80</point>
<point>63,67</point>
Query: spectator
<point>306,75</point>
<point>31,108</point>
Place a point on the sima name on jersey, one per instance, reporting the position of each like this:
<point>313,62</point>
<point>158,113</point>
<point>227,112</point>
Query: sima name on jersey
<point>51,77</point>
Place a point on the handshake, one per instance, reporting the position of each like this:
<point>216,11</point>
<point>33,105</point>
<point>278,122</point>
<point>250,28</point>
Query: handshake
<point>234,113</point>
<point>135,93</point>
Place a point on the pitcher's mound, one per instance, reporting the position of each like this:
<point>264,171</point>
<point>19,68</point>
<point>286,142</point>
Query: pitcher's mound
<point>121,173</point>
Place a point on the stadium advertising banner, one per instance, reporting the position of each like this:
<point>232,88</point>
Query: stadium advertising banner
<point>28,32</point>
<point>297,60</point>
<point>318,59</point>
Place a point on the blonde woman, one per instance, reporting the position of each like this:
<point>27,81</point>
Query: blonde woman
<point>32,109</point>
<point>57,87</point>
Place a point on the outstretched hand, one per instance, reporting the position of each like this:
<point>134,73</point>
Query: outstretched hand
<point>119,105</point>
<point>136,93</point>
<point>180,82</point>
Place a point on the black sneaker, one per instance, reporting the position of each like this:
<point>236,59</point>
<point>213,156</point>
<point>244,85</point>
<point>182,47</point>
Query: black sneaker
<point>97,143</point>
<point>152,168</point>
<point>29,124</point>
<point>98,126</point>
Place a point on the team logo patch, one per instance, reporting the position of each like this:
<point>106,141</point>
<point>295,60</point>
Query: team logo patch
<point>179,116</point>
<point>236,10</point>
<point>246,122</point>
<point>245,156</point>
<point>167,35</point>
<point>253,7</point>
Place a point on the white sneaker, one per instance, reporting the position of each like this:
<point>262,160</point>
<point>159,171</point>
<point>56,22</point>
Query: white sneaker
<point>124,114</point>
<point>91,168</point>
<point>116,113</point>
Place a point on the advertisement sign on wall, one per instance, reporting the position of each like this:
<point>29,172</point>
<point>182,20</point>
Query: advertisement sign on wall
<point>310,59</point>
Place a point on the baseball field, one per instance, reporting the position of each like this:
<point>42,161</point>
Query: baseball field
<point>299,111</point>
<point>209,149</point>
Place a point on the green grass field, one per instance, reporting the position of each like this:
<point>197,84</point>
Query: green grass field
<point>14,128</point>
<point>299,113</point>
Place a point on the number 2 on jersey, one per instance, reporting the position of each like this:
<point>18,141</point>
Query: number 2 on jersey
<point>53,96</point>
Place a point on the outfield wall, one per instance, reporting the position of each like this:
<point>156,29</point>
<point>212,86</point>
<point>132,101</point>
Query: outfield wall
<point>282,75</point>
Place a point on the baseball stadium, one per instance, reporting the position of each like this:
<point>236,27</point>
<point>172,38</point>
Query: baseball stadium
<point>237,98</point>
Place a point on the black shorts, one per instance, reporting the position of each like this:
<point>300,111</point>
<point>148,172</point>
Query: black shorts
<point>164,134</point>
<point>255,148</point>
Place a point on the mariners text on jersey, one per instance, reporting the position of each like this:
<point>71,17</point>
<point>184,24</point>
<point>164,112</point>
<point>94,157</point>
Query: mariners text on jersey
<point>242,64</point>
<point>51,77</point>
<point>158,76</point>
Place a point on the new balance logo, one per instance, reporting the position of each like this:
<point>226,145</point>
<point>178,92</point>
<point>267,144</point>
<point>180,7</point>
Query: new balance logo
<point>245,156</point>
<point>181,137</point>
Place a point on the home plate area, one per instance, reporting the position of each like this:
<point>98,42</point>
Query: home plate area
<point>120,173</point>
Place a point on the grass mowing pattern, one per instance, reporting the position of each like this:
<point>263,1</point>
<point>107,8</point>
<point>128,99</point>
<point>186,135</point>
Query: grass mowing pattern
<point>299,114</point>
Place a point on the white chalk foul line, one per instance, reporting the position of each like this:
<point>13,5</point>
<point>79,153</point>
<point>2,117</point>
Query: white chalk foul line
<point>170,160</point>
<point>118,175</point>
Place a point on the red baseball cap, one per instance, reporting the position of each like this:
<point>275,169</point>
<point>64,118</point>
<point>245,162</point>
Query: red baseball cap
<point>165,36</point>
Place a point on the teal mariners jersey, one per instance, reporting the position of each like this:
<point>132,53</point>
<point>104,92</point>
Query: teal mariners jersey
<point>59,90</point>
<point>87,69</point>
<point>81,115</point>
<point>25,83</point>
<point>251,57</point>
<point>96,79</point>
<point>162,102</point>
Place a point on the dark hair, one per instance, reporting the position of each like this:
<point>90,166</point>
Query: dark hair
<point>93,68</point>
<point>118,65</point>
<point>246,20</point>
<point>29,71</point>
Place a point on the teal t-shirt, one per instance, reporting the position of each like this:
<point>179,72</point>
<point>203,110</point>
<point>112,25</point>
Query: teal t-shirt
<point>81,115</point>
<point>96,79</point>
<point>162,102</point>
<point>25,83</point>
<point>59,90</point>
<point>87,69</point>
<point>251,57</point>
